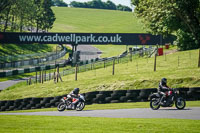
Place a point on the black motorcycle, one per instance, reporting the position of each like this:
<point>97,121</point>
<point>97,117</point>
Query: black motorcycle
<point>66,103</point>
<point>172,97</point>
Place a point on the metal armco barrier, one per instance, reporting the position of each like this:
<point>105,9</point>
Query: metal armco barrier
<point>34,61</point>
<point>99,97</point>
<point>17,71</point>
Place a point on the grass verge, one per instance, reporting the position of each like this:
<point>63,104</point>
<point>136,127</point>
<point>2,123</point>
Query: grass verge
<point>52,124</point>
<point>22,49</point>
<point>179,68</point>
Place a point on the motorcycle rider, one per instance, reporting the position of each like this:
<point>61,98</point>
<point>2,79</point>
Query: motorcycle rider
<point>162,89</point>
<point>75,94</point>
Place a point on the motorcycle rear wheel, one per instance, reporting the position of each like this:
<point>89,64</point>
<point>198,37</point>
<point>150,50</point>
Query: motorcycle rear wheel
<point>154,104</point>
<point>80,106</point>
<point>61,106</point>
<point>180,104</point>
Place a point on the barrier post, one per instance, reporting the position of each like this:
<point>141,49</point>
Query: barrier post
<point>30,81</point>
<point>76,70</point>
<point>42,77</point>
<point>155,59</point>
<point>113,72</point>
<point>54,77</point>
<point>45,77</point>
<point>137,65</point>
<point>57,74</point>
<point>36,77</point>
<point>49,75</point>
<point>131,55</point>
<point>199,58</point>
<point>178,61</point>
<point>91,65</point>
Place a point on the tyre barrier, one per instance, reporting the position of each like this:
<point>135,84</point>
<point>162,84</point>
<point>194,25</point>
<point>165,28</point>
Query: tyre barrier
<point>99,97</point>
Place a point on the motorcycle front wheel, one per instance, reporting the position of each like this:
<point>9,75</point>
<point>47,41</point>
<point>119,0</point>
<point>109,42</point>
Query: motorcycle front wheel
<point>180,103</point>
<point>61,106</point>
<point>154,104</point>
<point>80,106</point>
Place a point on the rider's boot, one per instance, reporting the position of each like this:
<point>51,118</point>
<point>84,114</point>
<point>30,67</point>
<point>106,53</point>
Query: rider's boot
<point>162,101</point>
<point>74,105</point>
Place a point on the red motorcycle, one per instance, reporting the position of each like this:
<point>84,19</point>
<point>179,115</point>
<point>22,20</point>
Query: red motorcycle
<point>172,97</point>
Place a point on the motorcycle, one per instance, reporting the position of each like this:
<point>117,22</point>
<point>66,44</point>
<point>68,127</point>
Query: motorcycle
<point>172,97</point>
<point>66,103</point>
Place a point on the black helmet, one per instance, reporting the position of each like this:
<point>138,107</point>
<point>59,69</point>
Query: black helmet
<point>76,90</point>
<point>163,81</point>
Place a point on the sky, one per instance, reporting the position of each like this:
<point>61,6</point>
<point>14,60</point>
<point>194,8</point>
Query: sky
<point>117,2</point>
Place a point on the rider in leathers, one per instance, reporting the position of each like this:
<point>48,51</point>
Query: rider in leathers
<point>163,88</point>
<point>75,94</point>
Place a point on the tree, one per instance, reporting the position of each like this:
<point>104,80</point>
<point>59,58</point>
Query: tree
<point>24,15</point>
<point>44,15</point>
<point>98,4</point>
<point>59,3</point>
<point>22,12</point>
<point>123,8</point>
<point>5,4</point>
<point>79,4</point>
<point>180,17</point>
<point>48,15</point>
<point>110,5</point>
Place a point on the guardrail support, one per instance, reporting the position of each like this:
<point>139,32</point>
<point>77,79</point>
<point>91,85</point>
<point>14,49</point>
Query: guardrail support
<point>76,71</point>
<point>113,72</point>
<point>199,58</point>
<point>155,63</point>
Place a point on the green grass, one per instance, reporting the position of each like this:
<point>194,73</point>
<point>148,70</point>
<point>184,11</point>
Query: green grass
<point>137,74</point>
<point>16,77</point>
<point>95,20</point>
<point>116,50</point>
<point>14,49</point>
<point>52,124</point>
<point>111,50</point>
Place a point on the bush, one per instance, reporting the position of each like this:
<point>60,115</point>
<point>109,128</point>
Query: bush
<point>185,41</point>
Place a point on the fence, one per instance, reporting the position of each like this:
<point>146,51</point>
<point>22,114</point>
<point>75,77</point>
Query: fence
<point>45,63</point>
<point>28,60</point>
<point>90,65</point>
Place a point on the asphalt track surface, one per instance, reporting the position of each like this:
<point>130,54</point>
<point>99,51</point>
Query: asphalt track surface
<point>92,52</point>
<point>6,84</point>
<point>187,113</point>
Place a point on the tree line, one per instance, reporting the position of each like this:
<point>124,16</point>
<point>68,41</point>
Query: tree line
<point>60,3</point>
<point>26,15</point>
<point>181,18</point>
<point>98,4</point>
